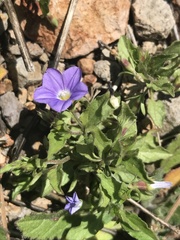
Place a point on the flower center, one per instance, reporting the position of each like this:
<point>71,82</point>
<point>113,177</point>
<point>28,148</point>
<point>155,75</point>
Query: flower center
<point>64,95</point>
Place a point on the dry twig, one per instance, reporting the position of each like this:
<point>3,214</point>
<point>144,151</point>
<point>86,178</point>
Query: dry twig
<point>3,212</point>
<point>173,209</point>
<point>65,30</point>
<point>131,35</point>
<point>19,36</point>
<point>154,217</point>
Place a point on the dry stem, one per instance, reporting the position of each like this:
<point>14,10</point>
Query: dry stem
<point>154,217</point>
<point>65,30</point>
<point>19,36</point>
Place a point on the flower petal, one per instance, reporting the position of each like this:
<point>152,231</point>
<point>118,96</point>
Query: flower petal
<point>67,206</point>
<point>79,91</point>
<point>53,80</point>
<point>71,77</point>
<point>42,95</point>
<point>69,199</point>
<point>59,105</point>
<point>75,197</point>
<point>161,184</point>
<point>74,209</point>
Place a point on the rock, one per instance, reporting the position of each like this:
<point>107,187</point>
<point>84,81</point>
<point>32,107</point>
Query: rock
<point>1,59</point>
<point>177,2</point>
<point>61,67</point>
<point>19,74</point>
<point>34,49</point>
<point>3,127</point>
<point>30,106</point>
<point>176,12</point>
<point>8,141</point>
<point>12,35</point>
<point>2,87</point>
<point>107,70</point>
<point>41,202</point>
<point>30,93</point>
<point>10,108</point>
<point>3,22</point>
<point>92,21</point>
<point>106,53</point>
<point>36,76</point>
<point>14,49</point>
<point>172,119</point>
<point>149,47</point>
<point>3,72</point>
<point>44,58</point>
<point>90,79</point>
<point>9,86</point>
<point>102,70</point>
<point>22,95</point>
<point>86,65</point>
<point>152,19</point>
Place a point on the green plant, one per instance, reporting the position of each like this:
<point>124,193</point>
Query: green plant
<point>95,149</point>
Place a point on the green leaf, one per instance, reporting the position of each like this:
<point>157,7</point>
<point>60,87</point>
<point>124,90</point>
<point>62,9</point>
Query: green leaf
<point>24,163</point>
<point>156,111</point>
<point>127,122</point>
<point>174,160</point>
<point>35,178</point>
<point>166,63</point>
<point>97,111</point>
<point>44,5</point>
<point>112,225</point>
<point>88,151</point>
<point>110,187</point>
<point>88,227</point>
<point>44,226</point>
<point>127,51</point>
<point>148,150</point>
<point>135,167</point>
<point>102,143</point>
<point>135,227</point>
<point>62,225</point>
<point>52,20</point>
<point>130,56</point>
<point>57,140</point>
<point>162,84</point>
<point>55,177</point>
<point>3,233</point>
<point>174,48</point>
<point>22,184</point>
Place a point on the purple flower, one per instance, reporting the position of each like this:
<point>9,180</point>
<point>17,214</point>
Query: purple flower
<point>156,184</point>
<point>74,203</point>
<point>160,184</point>
<point>58,90</point>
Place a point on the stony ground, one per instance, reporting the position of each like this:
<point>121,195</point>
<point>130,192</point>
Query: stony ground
<point>21,131</point>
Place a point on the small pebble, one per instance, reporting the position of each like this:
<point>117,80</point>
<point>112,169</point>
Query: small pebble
<point>86,65</point>
<point>30,93</point>
<point>22,95</point>
<point>90,79</point>
<point>30,106</point>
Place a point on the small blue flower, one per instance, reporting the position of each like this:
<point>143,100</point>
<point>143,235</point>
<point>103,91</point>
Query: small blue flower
<point>74,203</point>
<point>59,90</point>
<point>160,184</point>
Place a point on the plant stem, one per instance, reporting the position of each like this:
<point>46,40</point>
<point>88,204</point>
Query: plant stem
<point>153,216</point>
<point>58,161</point>
<point>77,120</point>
